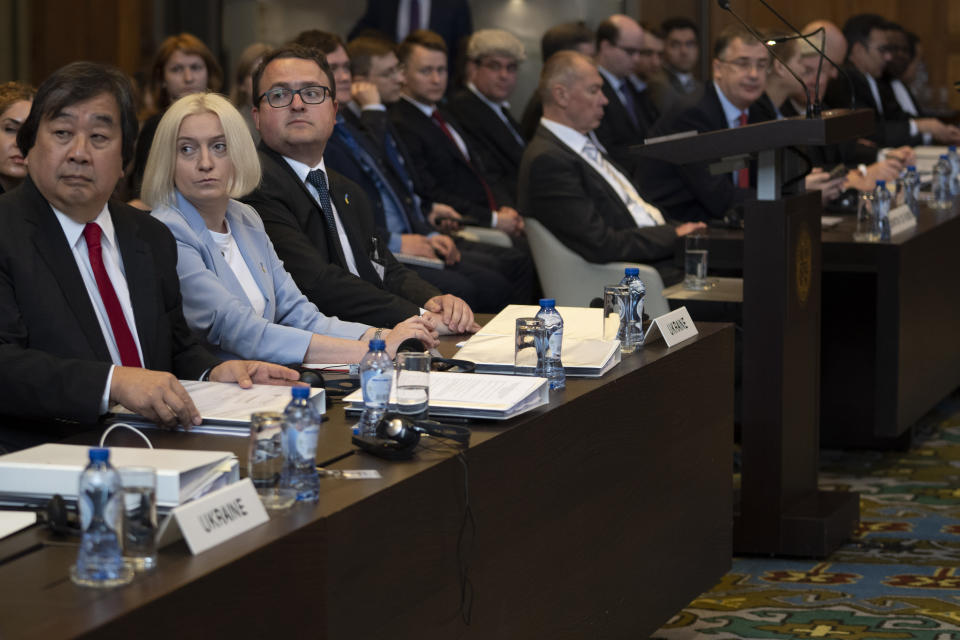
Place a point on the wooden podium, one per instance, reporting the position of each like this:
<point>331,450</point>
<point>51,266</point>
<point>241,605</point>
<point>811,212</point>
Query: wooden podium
<point>782,511</point>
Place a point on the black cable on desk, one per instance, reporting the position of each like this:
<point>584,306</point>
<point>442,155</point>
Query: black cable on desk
<point>465,545</point>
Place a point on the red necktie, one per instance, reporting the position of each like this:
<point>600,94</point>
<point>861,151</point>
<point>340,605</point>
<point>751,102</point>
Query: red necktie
<point>118,324</point>
<point>491,201</point>
<point>743,175</point>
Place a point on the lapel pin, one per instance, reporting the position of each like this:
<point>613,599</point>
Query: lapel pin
<point>262,268</point>
<point>346,198</point>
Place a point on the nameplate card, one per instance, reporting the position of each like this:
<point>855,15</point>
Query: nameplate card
<point>901,219</point>
<point>220,516</point>
<point>675,327</point>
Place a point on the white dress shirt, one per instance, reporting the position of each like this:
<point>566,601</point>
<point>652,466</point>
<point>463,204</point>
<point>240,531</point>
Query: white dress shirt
<point>302,170</point>
<point>644,214</point>
<point>113,265</point>
<point>231,254</point>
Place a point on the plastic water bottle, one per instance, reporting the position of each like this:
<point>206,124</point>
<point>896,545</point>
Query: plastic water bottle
<point>376,376</point>
<point>632,334</point>
<point>954,159</point>
<point>553,324</point>
<point>882,201</point>
<point>942,196</point>
<point>100,502</point>
<point>911,188</point>
<point>301,427</point>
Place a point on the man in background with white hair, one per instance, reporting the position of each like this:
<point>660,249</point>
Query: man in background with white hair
<point>482,107</point>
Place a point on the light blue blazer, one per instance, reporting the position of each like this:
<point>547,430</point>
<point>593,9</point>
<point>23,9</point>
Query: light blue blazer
<point>215,304</point>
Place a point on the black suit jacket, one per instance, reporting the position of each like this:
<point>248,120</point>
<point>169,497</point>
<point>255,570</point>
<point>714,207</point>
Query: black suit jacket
<point>561,190</point>
<point>690,192</point>
<point>54,360</point>
<point>489,136</point>
<point>617,131</point>
<point>296,226</point>
<point>892,125</point>
<point>444,174</point>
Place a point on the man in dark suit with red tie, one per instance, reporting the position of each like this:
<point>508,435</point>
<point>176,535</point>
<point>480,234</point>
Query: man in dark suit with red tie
<point>90,308</point>
<point>449,169</point>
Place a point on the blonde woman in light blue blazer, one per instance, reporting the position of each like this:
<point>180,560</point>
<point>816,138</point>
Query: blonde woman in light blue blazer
<point>236,293</point>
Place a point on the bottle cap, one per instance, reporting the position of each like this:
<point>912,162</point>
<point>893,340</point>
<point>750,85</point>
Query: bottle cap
<point>911,167</point>
<point>952,148</point>
<point>944,157</point>
<point>881,183</point>
<point>99,455</point>
<point>300,393</point>
<point>377,345</point>
<point>631,271</point>
<point>548,302</point>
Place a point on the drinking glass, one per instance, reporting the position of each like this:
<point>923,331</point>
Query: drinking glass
<point>616,311</point>
<point>413,384</point>
<point>265,460</point>
<point>139,517</point>
<point>529,347</point>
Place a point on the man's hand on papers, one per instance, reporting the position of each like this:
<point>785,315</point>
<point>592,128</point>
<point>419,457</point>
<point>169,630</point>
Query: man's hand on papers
<point>450,314</point>
<point>414,327</point>
<point>249,372</point>
<point>156,395</point>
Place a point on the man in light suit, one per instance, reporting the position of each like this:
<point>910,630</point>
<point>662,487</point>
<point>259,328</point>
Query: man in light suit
<point>90,307</point>
<point>569,184</point>
<point>321,224</point>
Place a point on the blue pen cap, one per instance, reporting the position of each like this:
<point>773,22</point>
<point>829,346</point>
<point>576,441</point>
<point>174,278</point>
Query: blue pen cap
<point>99,455</point>
<point>548,302</point>
<point>300,393</point>
<point>631,271</point>
<point>377,345</point>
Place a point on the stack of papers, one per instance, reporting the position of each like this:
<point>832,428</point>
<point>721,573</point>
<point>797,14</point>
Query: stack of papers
<point>470,395</point>
<point>226,407</point>
<point>32,476</point>
<point>584,352</point>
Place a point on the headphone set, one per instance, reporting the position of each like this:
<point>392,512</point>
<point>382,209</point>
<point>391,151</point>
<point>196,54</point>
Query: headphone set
<point>398,436</point>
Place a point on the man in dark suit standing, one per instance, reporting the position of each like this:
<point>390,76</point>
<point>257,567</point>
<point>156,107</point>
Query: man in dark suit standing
<point>450,170</point>
<point>569,183</point>
<point>482,107</point>
<point>690,192</point>
<point>89,296</point>
<point>869,53</point>
<point>629,113</point>
<point>320,223</point>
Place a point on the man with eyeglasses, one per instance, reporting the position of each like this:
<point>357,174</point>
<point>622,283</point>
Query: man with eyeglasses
<point>733,99</point>
<point>320,223</point>
<point>868,37</point>
<point>482,107</point>
<point>449,167</point>
<point>630,113</point>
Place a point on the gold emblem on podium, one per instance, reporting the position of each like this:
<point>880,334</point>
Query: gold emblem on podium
<point>802,263</point>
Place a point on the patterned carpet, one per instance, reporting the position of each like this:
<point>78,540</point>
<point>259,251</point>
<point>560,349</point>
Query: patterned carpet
<point>898,578</point>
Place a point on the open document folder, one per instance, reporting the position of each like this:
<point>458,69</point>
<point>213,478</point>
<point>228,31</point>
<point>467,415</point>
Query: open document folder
<point>226,407</point>
<point>584,352</point>
<point>32,476</point>
<point>469,395</point>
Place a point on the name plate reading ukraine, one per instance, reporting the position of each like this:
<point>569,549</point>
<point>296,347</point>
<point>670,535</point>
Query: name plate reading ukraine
<point>901,219</point>
<point>675,327</point>
<point>220,516</point>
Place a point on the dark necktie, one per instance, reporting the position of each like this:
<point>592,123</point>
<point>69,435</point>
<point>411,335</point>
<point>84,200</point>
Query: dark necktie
<point>318,179</point>
<point>629,102</point>
<point>126,346</point>
<point>513,125</point>
<point>491,201</point>
<point>743,175</point>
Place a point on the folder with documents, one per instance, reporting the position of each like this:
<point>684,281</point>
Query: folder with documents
<point>32,476</point>
<point>585,354</point>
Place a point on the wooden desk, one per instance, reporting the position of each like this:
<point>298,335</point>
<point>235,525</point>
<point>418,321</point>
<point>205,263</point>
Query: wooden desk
<point>889,346</point>
<point>599,515</point>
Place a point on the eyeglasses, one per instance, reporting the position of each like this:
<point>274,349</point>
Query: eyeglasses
<point>280,97</point>
<point>497,67</point>
<point>746,64</point>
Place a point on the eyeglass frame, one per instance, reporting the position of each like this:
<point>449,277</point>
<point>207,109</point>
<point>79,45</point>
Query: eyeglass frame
<point>327,93</point>
<point>745,65</point>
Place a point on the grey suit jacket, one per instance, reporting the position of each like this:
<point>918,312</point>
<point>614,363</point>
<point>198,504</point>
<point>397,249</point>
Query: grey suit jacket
<point>575,202</point>
<point>215,304</point>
